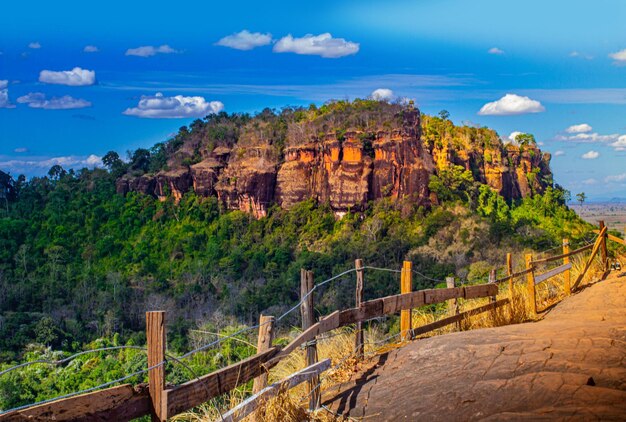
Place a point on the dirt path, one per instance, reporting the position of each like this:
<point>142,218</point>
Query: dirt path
<point>570,365</point>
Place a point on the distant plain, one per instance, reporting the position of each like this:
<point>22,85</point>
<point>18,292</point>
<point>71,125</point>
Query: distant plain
<point>613,214</point>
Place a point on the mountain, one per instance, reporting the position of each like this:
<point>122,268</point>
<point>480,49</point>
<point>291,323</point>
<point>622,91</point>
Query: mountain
<point>342,153</point>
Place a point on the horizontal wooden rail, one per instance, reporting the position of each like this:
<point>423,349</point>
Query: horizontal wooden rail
<point>121,403</point>
<point>192,393</point>
<point>565,255</point>
<point>613,238</point>
<point>553,272</point>
<point>514,275</point>
<point>252,403</point>
<point>458,317</point>
<point>384,306</point>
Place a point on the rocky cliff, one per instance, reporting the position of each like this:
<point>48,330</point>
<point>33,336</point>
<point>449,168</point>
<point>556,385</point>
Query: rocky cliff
<point>344,154</point>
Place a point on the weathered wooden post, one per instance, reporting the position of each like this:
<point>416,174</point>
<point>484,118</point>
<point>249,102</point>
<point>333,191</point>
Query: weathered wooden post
<point>453,304</point>
<point>308,319</point>
<point>359,346</point>
<point>155,335</point>
<point>509,272</point>
<point>406,282</point>
<point>603,251</point>
<point>264,342</point>
<point>530,281</point>
<point>567,287</point>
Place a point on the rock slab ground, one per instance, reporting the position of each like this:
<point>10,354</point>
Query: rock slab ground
<point>571,365</point>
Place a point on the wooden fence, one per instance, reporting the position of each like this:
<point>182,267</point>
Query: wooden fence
<point>126,402</point>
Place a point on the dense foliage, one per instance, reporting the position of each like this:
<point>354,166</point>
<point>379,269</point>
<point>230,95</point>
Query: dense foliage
<point>80,264</point>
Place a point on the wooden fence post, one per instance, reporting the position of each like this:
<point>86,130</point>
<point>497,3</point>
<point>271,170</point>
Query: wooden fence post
<point>530,280</point>
<point>453,304</point>
<point>603,250</point>
<point>567,286</point>
<point>406,283</point>
<point>509,272</point>
<point>155,335</point>
<point>264,342</point>
<point>358,299</point>
<point>308,319</point>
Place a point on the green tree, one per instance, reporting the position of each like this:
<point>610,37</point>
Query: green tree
<point>581,198</point>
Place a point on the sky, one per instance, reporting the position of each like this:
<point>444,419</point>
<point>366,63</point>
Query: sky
<point>80,79</point>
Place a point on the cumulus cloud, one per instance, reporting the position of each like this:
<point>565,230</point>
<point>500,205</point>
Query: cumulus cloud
<point>619,56</point>
<point>588,182</point>
<point>4,95</point>
<point>590,155</point>
<point>245,40</point>
<point>74,77</point>
<point>581,128</point>
<point>160,107</point>
<point>559,153</point>
<point>512,138</point>
<point>90,49</point>
<point>20,150</point>
<point>39,100</point>
<point>511,104</point>
<point>382,94</point>
<point>323,45</point>
<point>149,50</point>
<point>620,144</point>
<point>34,45</point>
<point>495,50</point>
<point>616,178</point>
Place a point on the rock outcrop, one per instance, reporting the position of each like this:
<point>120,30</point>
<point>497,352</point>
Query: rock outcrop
<point>344,166</point>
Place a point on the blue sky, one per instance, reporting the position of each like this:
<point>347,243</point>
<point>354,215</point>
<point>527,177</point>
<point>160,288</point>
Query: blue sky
<point>563,62</point>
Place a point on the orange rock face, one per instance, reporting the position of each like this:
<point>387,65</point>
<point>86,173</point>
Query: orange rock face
<point>345,169</point>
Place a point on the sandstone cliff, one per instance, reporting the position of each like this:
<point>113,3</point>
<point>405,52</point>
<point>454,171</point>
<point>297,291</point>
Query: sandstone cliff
<point>344,154</point>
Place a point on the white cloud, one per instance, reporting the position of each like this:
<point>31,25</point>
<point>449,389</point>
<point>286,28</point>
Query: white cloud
<point>588,137</point>
<point>39,100</point>
<point>90,49</point>
<point>581,128</point>
<point>20,150</point>
<point>74,77</point>
<point>160,107</point>
<point>620,144</point>
<point>4,95</point>
<point>495,50</point>
<point>511,104</point>
<point>511,139</point>
<point>590,155</point>
<point>559,153</point>
<point>34,45</point>
<point>40,166</point>
<point>245,40</point>
<point>616,178</point>
<point>591,181</point>
<point>382,94</point>
<point>149,50</point>
<point>323,45</point>
<point>619,56</point>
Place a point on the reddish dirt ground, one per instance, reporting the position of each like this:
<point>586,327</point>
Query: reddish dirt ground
<point>571,365</point>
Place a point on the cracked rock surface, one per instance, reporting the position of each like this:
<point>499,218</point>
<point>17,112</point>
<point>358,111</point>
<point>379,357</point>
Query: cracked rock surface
<point>571,365</point>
